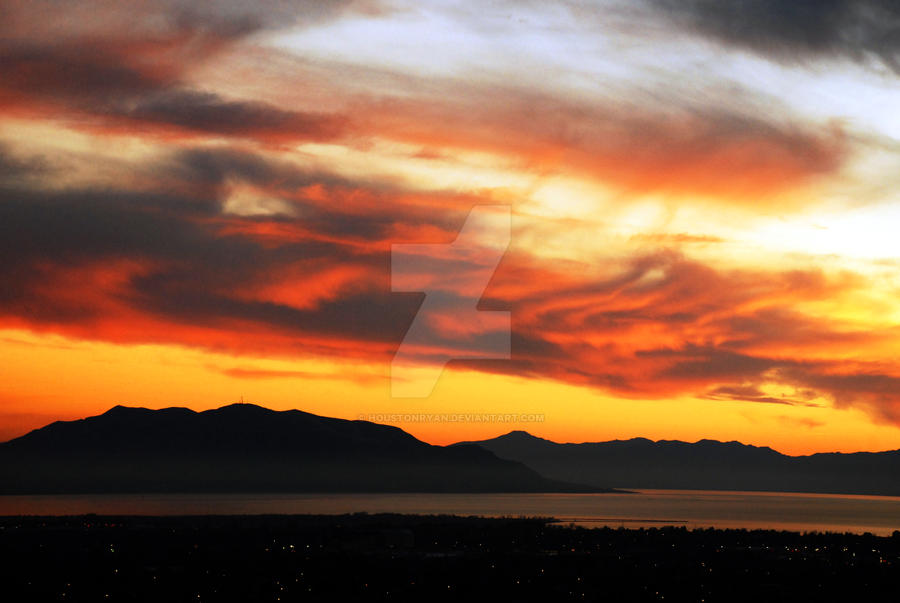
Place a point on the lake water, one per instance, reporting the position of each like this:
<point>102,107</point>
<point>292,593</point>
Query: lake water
<point>690,508</point>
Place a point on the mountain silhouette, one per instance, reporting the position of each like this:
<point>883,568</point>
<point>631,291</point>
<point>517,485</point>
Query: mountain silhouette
<point>247,448</point>
<point>704,465</point>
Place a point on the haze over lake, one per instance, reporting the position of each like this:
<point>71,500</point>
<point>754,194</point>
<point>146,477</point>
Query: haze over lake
<point>690,508</point>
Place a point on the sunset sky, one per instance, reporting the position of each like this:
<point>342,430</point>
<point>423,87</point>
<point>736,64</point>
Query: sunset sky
<point>198,202</point>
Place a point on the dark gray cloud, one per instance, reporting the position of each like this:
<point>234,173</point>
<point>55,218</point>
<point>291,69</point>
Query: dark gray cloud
<point>710,363</point>
<point>73,72</point>
<point>114,83</point>
<point>214,167</point>
<point>850,386</point>
<point>210,113</point>
<point>231,18</point>
<point>741,376</point>
<point>13,166</point>
<point>752,393</point>
<point>797,29</point>
<point>132,62</point>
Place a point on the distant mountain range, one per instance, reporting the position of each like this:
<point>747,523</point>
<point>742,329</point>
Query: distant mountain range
<point>246,448</point>
<point>704,465</point>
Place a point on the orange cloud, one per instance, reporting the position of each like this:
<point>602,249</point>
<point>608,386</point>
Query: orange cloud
<point>678,151</point>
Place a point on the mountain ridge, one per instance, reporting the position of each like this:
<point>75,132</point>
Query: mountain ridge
<point>702,465</point>
<point>639,439</point>
<point>248,448</point>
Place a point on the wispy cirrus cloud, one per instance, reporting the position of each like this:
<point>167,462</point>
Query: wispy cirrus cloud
<point>678,150</point>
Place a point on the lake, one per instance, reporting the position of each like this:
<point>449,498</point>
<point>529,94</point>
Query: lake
<point>690,508</point>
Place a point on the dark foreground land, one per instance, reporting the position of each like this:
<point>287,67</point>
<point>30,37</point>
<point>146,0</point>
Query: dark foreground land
<point>428,558</point>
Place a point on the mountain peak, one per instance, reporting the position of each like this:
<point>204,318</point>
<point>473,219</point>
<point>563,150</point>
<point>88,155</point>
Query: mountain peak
<point>519,435</point>
<point>245,407</point>
<point>120,409</point>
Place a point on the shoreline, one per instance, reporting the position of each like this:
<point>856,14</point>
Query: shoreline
<point>239,520</point>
